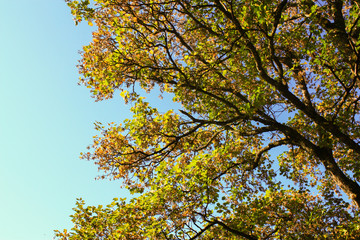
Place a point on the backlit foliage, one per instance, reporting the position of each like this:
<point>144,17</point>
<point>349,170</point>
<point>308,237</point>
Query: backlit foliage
<point>249,77</point>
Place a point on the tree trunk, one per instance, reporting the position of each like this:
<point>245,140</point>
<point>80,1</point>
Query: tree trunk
<point>350,187</point>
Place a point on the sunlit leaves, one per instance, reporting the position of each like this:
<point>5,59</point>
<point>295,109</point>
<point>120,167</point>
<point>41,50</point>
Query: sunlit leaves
<point>249,77</point>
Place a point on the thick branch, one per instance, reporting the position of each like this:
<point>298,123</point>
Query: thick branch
<point>350,187</point>
<point>283,89</point>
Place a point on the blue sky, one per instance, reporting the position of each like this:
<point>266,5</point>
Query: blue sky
<point>46,120</point>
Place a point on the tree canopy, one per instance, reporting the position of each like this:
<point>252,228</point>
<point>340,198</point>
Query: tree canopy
<point>249,77</point>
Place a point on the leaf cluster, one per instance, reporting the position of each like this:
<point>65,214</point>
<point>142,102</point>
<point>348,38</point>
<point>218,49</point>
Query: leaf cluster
<point>249,76</point>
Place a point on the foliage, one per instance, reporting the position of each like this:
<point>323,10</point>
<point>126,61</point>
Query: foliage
<point>249,76</point>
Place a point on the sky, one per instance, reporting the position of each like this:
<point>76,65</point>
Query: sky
<point>46,120</point>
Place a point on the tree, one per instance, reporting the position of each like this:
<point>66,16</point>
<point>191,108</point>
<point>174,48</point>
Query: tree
<point>249,77</point>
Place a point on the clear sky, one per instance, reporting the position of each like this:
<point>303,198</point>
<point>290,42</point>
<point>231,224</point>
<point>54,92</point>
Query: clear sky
<point>46,120</point>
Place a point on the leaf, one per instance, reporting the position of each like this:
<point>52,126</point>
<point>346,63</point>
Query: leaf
<point>263,141</point>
